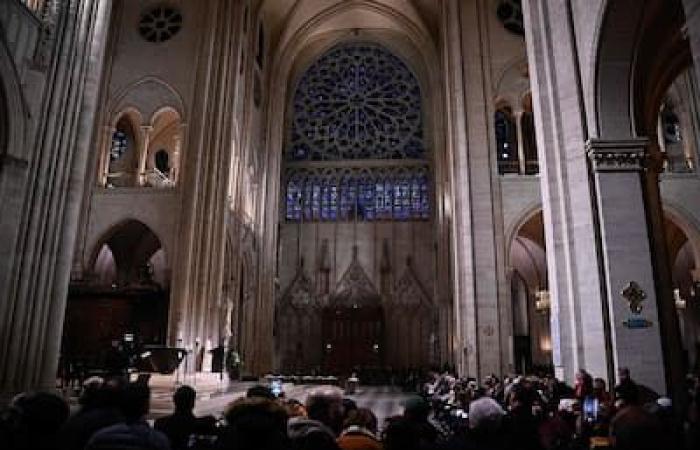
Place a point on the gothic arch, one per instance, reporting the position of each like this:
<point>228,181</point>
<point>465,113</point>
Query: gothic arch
<point>629,83</point>
<point>688,225</point>
<point>103,236</point>
<point>525,214</point>
<point>149,95</point>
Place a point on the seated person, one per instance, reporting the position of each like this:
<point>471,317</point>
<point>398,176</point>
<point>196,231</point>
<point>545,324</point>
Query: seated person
<point>254,423</point>
<point>182,423</point>
<point>134,432</point>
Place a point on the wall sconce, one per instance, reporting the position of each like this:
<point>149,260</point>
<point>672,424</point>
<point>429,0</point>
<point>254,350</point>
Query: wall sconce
<point>542,301</point>
<point>680,301</point>
<point>546,344</point>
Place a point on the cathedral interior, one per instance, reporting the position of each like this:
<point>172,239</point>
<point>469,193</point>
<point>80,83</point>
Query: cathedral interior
<point>324,185</point>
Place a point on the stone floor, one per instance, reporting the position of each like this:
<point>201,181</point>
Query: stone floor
<point>214,394</point>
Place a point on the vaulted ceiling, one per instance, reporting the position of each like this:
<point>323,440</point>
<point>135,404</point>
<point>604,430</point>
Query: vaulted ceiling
<point>284,18</point>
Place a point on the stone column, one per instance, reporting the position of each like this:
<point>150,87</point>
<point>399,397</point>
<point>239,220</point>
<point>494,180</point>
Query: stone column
<point>32,324</point>
<point>464,342</point>
<point>480,301</point>
<point>574,266</point>
<point>629,277</point>
<point>692,28</point>
<point>141,174</point>
<point>521,141</point>
<point>197,285</point>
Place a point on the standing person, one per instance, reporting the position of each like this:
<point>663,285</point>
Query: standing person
<point>134,432</point>
<point>180,425</point>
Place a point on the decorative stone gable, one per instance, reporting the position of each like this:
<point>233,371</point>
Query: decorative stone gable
<point>355,288</point>
<point>299,294</point>
<point>409,291</point>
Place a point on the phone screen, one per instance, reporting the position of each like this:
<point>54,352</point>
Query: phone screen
<point>276,387</point>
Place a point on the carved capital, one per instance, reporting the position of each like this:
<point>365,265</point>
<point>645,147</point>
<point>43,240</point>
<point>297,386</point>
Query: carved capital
<point>624,155</point>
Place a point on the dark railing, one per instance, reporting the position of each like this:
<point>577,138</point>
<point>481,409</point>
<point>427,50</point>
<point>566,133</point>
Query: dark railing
<point>513,167</point>
<point>505,167</point>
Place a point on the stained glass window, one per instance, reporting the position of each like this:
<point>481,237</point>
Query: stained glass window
<point>506,143</point>
<point>120,144</point>
<point>367,195</point>
<point>356,102</point>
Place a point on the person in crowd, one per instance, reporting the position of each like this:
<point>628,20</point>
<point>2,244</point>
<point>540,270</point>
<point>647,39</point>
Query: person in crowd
<point>360,431</point>
<point>400,434</point>
<point>294,408</point>
<point>182,424</point>
<point>324,407</point>
<point>522,424</point>
<point>416,412</point>
<point>633,428</point>
<point>134,431</point>
<point>33,422</point>
<point>99,408</point>
<point>625,382</point>
<point>260,391</point>
<point>486,430</point>
<point>557,431</point>
<point>349,405</point>
<point>254,423</point>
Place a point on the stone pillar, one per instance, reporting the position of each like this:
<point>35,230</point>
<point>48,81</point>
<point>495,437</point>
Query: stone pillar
<point>464,342</point>
<point>141,174</point>
<point>35,295</point>
<point>480,301</point>
<point>629,277</point>
<point>692,28</point>
<point>577,290</point>
<point>197,284</point>
<point>177,154</point>
<point>521,141</point>
<point>103,158</point>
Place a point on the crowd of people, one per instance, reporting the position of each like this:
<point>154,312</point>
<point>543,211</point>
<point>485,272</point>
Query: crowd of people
<point>523,413</point>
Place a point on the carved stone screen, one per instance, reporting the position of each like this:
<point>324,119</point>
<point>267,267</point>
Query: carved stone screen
<point>356,194</point>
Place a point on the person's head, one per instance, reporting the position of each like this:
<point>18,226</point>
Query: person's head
<point>92,394</point>
<point>599,385</point>
<point>416,409</point>
<point>623,374</point>
<point>361,417</point>
<point>325,405</point>
<point>260,391</point>
<point>135,403</point>
<point>626,394</point>
<point>294,408</point>
<point>400,434</point>
<point>349,405</point>
<point>184,399</point>
<point>255,423</point>
<point>485,416</point>
<point>40,413</point>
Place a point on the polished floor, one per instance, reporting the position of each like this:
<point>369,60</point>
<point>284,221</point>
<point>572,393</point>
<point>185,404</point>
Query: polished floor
<point>214,394</point>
